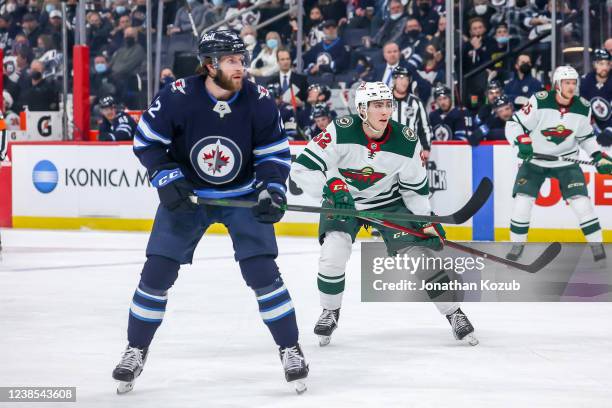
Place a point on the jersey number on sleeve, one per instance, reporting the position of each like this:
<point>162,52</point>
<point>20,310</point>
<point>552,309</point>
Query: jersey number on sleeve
<point>155,107</point>
<point>322,139</point>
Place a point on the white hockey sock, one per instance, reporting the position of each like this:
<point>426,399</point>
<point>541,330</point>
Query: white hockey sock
<point>521,215</point>
<point>585,212</point>
<point>335,253</point>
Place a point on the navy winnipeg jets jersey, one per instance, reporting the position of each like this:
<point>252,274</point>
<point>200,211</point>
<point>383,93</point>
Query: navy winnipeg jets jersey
<point>121,128</point>
<point>448,126</point>
<point>600,97</point>
<point>222,148</point>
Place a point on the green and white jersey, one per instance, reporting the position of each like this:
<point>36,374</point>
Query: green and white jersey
<point>555,130</point>
<point>377,172</point>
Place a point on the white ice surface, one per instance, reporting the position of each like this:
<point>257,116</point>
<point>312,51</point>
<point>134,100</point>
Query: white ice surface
<point>64,299</point>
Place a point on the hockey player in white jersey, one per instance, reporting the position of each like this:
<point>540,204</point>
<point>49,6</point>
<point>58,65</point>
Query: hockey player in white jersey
<point>368,161</point>
<point>555,123</point>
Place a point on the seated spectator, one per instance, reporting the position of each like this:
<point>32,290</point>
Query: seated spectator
<point>392,27</point>
<point>51,57</point>
<point>42,94</point>
<point>494,127</point>
<point>6,36</point>
<point>494,91</point>
<point>287,112</point>
<point>448,122</point>
<point>412,41</point>
<point>312,27</point>
<point>363,15</point>
<point>116,125</point>
<point>522,85</point>
<point>501,45</point>
<point>250,18</point>
<point>427,16</point>
<point>117,35</point>
<point>98,32</point>
<point>293,86</point>
<point>101,80</point>
<point>481,9</point>
<point>320,118</point>
<point>249,36</point>
<point>265,64</point>
<point>54,28</point>
<point>128,58</point>
<point>476,52</point>
<point>182,24</point>
<point>384,72</point>
<point>333,10</point>
<point>31,29</point>
<point>166,77</point>
<point>330,55</point>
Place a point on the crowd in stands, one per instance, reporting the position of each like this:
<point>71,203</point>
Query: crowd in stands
<point>345,42</point>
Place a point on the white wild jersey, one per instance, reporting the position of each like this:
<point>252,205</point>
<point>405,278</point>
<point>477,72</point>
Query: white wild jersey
<point>378,172</point>
<point>554,130</point>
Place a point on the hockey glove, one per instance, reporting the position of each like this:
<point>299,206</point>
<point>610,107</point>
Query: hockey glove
<point>525,148</point>
<point>172,187</point>
<point>270,203</point>
<point>603,163</point>
<point>336,192</point>
<point>438,235</point>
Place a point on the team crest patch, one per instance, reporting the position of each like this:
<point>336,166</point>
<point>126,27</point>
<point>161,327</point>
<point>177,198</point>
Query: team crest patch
<point>361,179</point>
<point>262,91</point>
<point>557,135</point>
<point>541,95</point>
<point>585,102</point>
<point>521,181</point>
<point>344,122</point>
<point>442,132</point>
<point>216,159</point>
<point>409,134</point>
<point>179,86</point>
<point>601,108</point>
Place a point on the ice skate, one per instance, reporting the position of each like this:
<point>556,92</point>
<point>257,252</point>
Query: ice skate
<point>462,328</point>
<point>516,252</point>
<point>129,368</point>
<point>327,323</point>
<point>296,369</point>
<point>598,251</point>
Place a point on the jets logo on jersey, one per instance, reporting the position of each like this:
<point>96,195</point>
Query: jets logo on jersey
<point>324,58</point>
<point>601,108</point>
<point>216,159</point>
<point>361,179</point>
<point>557,135</point>
<point>442,132</point>
<point>179,86</point>
<point>262,91</point>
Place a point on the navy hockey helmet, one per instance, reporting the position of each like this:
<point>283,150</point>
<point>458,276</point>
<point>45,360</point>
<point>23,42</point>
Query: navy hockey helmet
<point>400,71</point>
<point>275,90</point>
<point>323,90</point>
<point>216,44</point>
<point>320,110</point>
<point>494,84</point>
<point>441,90</point>
<point>601,55</point>
<point>501,101</point>
<point>107,102</point>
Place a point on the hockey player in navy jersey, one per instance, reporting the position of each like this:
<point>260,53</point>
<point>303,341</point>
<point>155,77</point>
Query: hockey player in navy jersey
<point>448,122</point>
<point>116,125</point>
<point>215,135</point>
<point>596,87</point>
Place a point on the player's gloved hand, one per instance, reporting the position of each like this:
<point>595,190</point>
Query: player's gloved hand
<point>437,233</point>
<point>336,192</point>
<point>603,162</point>
<point>172,187</point>
<point>525,148</point>
<point>270,203</point>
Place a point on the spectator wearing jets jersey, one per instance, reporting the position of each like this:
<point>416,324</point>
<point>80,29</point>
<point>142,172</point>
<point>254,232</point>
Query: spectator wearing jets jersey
<point>409,110</point>
<point>596,87</point>
<point>320,118</point>
<point>448,122</point>
<point>330,55</point>
<point>493,127</point>
<point>116,125</point>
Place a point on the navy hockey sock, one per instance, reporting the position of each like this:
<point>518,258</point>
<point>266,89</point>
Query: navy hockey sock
<point>275,305</point>
<point>150,299</point>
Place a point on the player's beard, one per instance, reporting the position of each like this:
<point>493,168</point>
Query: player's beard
<point>226,82</point>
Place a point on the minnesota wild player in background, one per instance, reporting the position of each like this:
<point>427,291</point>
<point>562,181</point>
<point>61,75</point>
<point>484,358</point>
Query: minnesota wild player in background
<point>368,161</point>
<point>555,123</point>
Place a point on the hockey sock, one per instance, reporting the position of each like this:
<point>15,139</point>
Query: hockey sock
<point>150,299</point>
<point>275,305</point>
<point>589,223</point>
<point>335,253</point>
<point>521,215</point>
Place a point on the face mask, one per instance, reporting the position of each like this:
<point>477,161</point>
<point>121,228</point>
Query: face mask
<point>190,1</point>
<point>413,33</point>
<point>100,68</point>
<point>272,43</point>
<point>330,37</point>
<point>120,9</point>
<point>525,68</point>
<point>480,9</point>
<point>217,3</point>
<point>425,7</point>
<point>395,16</point>
<point>130,41</point>
<point>11,7</point>
<point>49,8</point>
<point>503,40</point>
<point>360,69</point>
<point>37,76</point>
<point>167,80</point>
<point>249,39</point>
<point>521,3</point>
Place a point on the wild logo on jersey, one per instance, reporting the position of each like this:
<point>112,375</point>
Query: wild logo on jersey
<point>557,135</point>
<point>216,159</point>
<point>361,179</point>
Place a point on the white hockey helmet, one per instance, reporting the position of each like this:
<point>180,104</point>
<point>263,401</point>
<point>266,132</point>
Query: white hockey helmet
<point>565,72</point>
<point>368,92</point>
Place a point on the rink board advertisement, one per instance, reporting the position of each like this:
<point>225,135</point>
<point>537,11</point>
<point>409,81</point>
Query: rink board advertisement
<point>103,186</point>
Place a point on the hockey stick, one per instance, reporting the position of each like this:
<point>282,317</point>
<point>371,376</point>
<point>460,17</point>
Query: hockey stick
<point>344,98</point>
<point>549,254</point>
<point>477,200</point>
<point>549,157</point>
<point>191,21</point>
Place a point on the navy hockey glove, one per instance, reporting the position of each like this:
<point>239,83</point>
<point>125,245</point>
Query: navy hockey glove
<point>172,187</point>
<point>270,203</point>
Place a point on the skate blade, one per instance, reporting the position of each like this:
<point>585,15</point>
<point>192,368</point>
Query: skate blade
<point>124,387</point>
<point>471,340</point>
<point>300,386</point>
<point>324,340</point>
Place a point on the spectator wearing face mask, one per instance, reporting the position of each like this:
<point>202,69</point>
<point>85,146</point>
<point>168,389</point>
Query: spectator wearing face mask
<point>413,41</point>
<point>166,78</point>
<point>330,55</point>
<point>128,59</point>
<point>265,64</point>
<point>42,94</point>
<point>312,26</point>
<point>501,44</point>
<point>120,8</point>
<point>117,34</point>
<point>483,10</point>
<point>98,32</point>
<point>520,88</point>
<point>392,27</point>
<point>427,16</point>
<point>101,80</point>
